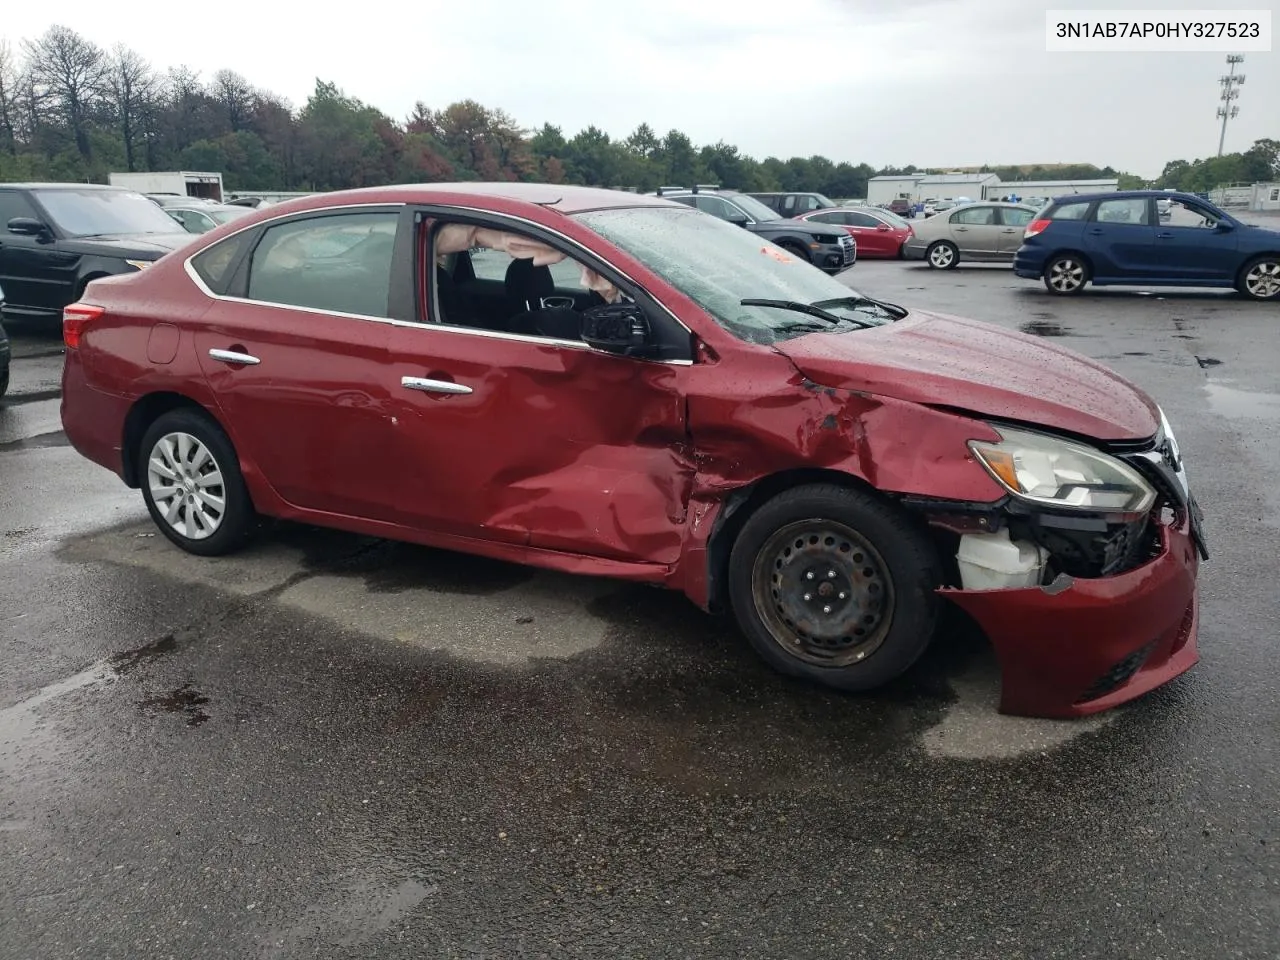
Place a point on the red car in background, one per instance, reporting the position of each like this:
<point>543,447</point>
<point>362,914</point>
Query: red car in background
<point>879,234</point>
<point>611,384</point>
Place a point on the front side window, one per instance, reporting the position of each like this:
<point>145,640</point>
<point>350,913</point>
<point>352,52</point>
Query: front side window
<point>752,208</point>
<point>1183,213</point>
<point>718,266</point>
<point>104,213</point>
<point>339,263</point>
<point>1130,210</point>
<point>13,205</point>
<point>831,216</point>
<point>504,281</point>
<point>716,207</point>
<point>862,220</point>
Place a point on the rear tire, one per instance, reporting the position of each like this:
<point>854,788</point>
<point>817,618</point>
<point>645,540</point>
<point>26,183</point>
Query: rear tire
<point>942,255</point>
<point>835,586</point>
<point>1065,274</point>
<point>1260,278</point>
<point>192,485</point>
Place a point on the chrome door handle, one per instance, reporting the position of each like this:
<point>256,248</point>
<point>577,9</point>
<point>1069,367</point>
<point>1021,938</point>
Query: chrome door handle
<point>1164,236</point>
<point>232,356</point>
<point>433,386</point>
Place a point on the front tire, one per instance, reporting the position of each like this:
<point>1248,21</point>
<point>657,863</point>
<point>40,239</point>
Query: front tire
<point>1065,274</point>
<point>796,251</point>
<point>192,484</point>
<point>1260,278</point>
<point>942,255</point>
<point>835,586</point>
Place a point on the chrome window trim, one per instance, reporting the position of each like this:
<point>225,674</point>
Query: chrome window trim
<point>195,277</point>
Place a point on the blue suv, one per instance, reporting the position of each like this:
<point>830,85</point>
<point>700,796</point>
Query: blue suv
<point>1126,238</point>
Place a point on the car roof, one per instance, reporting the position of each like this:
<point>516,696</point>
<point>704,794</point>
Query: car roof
<point>1122,195</point>
<point>66,186</point>
<point>563,198</point>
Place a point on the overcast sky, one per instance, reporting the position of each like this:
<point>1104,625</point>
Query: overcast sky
<point>929,82</point>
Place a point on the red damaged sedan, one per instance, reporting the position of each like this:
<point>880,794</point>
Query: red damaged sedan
<point>619,385</point>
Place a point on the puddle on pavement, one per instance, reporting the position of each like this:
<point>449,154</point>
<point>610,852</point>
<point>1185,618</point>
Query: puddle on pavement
<point>21,723</point>
<point>1239,404</point>
<point>148,653</point>
<point>186,700</point>
<point>1045,328</point>
<point>1207,362</point>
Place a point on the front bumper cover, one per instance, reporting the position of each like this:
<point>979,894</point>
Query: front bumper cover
<point>1077,647</point>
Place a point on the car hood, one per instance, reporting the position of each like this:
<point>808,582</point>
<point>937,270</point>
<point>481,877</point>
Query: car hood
<point>143,246</point>
<point>800,226</point>
<point>963,364</point>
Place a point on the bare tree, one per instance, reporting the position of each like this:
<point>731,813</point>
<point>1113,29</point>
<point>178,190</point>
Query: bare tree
<point>132,86</point>
<point>235,95</point>
<point>185,99</point>
<point>74,72</point>
<point>8,99</point>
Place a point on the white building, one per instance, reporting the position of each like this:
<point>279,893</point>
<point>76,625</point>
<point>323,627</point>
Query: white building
<point>953,186</point>
<point>1266,196</point>
<point>886,189</point>
<point>1047,189</point>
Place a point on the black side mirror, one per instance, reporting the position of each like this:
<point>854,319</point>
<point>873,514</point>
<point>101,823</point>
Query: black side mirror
<point>620,328</point>
<point>28,227</point>
<point>739,219</point>
<point>1222,226</point>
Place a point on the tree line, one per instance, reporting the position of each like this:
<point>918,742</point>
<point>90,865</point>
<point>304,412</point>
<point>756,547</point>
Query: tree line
<point>73,111</point>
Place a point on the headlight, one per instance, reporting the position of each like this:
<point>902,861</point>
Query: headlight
<point>139,264</point>
<point>1059,473</point>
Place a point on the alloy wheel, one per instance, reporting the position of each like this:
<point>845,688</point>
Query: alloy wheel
<point>941,256</point>
<point>1066,275</point>
<point>823,592</point>
<point>187,486</point>
<point>1263,279</point>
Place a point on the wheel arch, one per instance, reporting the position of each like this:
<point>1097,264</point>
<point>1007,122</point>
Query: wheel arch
<point>144,412</point>
<point>738,506</point>
<point>1252,259</point>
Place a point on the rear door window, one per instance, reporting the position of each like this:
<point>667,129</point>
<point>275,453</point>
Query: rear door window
<point>1069,211</point>
<point>1128,210</point>
<point>339,263</point>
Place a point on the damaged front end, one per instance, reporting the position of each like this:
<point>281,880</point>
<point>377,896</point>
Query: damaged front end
<point>1084,576</point>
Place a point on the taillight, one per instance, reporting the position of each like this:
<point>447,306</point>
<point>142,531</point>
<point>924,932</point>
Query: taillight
<point>1035,227</point>
<point>75,318</point>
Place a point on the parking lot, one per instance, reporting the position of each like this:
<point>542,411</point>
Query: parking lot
<point>334,746</point>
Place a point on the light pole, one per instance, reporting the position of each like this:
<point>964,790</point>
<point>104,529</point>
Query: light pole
<point>1230,82</point>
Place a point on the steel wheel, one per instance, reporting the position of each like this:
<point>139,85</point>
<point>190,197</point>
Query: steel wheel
<point>823,592</point>
<point>1262,279</point>
<point>942,256</point>
<point>1065,275</point>
<point>186,485</point>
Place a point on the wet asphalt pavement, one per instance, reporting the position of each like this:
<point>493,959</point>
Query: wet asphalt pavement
<point>335,747</point>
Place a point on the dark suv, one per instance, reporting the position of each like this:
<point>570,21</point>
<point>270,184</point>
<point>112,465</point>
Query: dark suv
<point>794,204</point>
<point>826,247</point>
<point>56,237</point>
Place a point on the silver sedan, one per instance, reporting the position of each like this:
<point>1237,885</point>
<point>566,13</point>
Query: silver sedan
<point>986,232</point>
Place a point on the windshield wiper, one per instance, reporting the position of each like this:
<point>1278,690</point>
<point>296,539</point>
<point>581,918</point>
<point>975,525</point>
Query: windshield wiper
<point>812,309</point>
<point>860,302</point>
